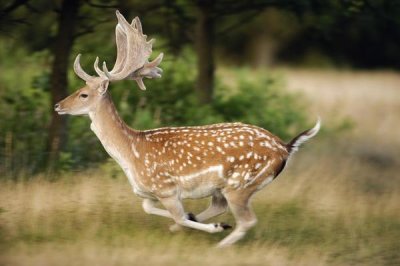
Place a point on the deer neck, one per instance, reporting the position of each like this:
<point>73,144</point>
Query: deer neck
<point>112,131</point>
<point>118,140</point>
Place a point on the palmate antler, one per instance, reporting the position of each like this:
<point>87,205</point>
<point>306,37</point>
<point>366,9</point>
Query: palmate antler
<point>133,52</point>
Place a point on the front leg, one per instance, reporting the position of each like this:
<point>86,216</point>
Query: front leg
<point>150,208</point>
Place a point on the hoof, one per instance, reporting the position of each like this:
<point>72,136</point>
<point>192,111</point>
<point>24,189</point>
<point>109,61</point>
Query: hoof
<point>222,226</point>
<point>225,226</point>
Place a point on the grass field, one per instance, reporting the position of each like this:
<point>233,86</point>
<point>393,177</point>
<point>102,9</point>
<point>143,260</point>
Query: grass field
<point>337,203</point>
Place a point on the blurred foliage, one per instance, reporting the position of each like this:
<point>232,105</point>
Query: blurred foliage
<point>309,32</point>
<point>261,102</point>
<point>355,33</point>
<point>24,109</point>
<point>169,101</point>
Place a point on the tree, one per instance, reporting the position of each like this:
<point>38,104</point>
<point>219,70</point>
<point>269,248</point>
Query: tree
<point>204,47</point>
<point>73,19</point>
<point>64,39</point>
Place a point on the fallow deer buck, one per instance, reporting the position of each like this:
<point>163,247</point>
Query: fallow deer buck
<point>228,161</point>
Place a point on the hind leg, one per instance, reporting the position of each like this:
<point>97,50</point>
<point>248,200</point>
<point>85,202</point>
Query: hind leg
<point>174,206</point>
<point>245,218</point>
<point>217,206</point>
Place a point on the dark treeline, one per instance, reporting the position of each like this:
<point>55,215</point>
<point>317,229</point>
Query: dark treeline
<point>351,33</point>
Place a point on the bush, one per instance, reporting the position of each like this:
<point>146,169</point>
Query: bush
<point>262,102</point>
<point>24,110</point>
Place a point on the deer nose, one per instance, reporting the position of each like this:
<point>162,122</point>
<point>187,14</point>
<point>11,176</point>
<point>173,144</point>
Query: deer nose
<point>56,106</point>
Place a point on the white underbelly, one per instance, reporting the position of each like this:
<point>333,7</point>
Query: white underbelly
<point>200,191</point>
<point>201,184</point>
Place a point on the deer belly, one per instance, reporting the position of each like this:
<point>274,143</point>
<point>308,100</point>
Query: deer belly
<point>201,184</point>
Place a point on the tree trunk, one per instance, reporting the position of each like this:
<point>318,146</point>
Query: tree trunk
<point>57,131</point>
<point>204,50</point>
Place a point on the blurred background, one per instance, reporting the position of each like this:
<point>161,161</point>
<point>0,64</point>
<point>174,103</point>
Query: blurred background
<point>275,64</point>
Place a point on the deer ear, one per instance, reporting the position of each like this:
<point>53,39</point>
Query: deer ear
<point>103,86</point>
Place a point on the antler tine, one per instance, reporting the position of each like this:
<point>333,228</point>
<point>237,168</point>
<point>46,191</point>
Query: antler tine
<point>78,69</point>
<point>105,70</point>
<point>156,61</point>
<point>149,70</point>
<point>120,39</point>
<point>140,83</point>
<point>137,24</point>
<point>97,69</point>
<point>122,21</point>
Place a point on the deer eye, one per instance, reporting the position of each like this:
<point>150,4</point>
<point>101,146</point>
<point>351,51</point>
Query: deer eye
<point>83,96</point>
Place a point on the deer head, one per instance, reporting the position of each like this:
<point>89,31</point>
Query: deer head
<point>132,62</point>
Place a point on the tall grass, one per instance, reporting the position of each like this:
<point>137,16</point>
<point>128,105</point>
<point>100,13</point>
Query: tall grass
<point>312,215</point>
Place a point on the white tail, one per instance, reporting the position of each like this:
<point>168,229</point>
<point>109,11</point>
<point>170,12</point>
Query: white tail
<point>229,161</point>
<point>295,143</point>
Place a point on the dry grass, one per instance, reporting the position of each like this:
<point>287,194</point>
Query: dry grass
<point>336,204</point>
<point>371,99</point>
<point>96,220</point>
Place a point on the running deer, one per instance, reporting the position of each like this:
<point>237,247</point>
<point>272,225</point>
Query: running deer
<point>228,161</point>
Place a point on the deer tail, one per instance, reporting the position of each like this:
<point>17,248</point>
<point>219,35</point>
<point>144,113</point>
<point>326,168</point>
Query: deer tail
<point>297,141</point>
